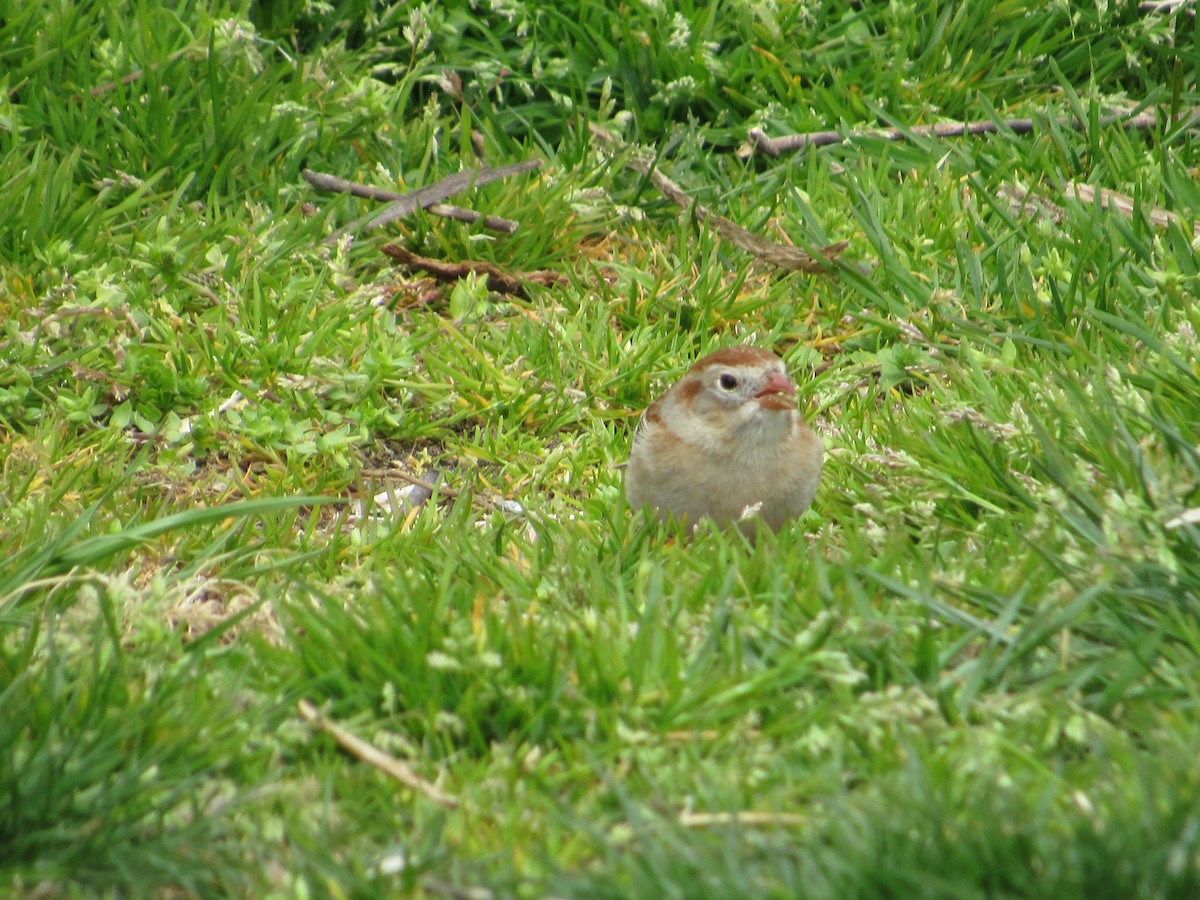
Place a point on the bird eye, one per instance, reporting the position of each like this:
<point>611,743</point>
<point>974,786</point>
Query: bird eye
<point>729,382</point>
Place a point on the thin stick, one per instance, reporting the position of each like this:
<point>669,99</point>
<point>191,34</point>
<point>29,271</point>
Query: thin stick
<point>758,142</point>
<point>747,818</point>
<point>1187,517</point>
<point>486,503</point>
<point>323,182</point>
<point>462,214</point>
<point>1124,204</point>
<point>412,479</point>
<point>108,86</point>
<point>709,734</point>
<point>454,891</point>
<point>425,197</point>
<point>1166,7</point>
<point>1022,201</point>
<point>102,89</point>
<point>497,279</point>
<point>372,755</point>
<point>782,255</point>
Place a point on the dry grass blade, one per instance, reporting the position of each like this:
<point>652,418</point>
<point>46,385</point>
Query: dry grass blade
<point>781,255</point>
<point>368,753</point>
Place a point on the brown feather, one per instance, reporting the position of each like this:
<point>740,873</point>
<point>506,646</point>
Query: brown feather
<point>735,356</point>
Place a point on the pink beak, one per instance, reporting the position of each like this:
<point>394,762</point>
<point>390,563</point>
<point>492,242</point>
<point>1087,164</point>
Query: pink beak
<point>777,392</point>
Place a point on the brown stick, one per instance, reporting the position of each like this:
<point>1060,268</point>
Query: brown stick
<point>782,255</point>
<point>743,818</point>
<point>323,182</point>
<point>454,891</point>
<point>435,193</point>
<point>102,89</point>
<point>108,86</point>
<point>1125,205</point>
<point>486,503</point>
<point>758,142</point>
<point>423,483</point>
<point>1021,200</point>
<point>497,279</point>
<point>1166,7</point>
<point>462,214</point>
<point>371,754</point>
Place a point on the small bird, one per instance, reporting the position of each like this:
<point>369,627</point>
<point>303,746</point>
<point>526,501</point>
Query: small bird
<point>726,443</point>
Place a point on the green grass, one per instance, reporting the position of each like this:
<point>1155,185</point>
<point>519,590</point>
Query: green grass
<point>971,670</point>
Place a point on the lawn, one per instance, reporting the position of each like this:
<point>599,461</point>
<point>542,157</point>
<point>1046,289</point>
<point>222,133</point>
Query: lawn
<point>243,652</point>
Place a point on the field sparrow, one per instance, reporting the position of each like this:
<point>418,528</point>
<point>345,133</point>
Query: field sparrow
<point>727,443</point>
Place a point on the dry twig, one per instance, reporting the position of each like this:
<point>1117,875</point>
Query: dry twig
<point>1167,7</point>
<point>782,255</point>
<point>748,819</point>
<point>422,483</point>
<point>488,504</point>
<point>433,194</point>
<point>324,182</point>
<point>1124,204</point>
<point>1187,517</point>
<point>1022,201</point>
<point>454,891</point>
<point>135,75</point>
<point>371,754</point>
<point>758,142</point>
<point>497,279</point>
